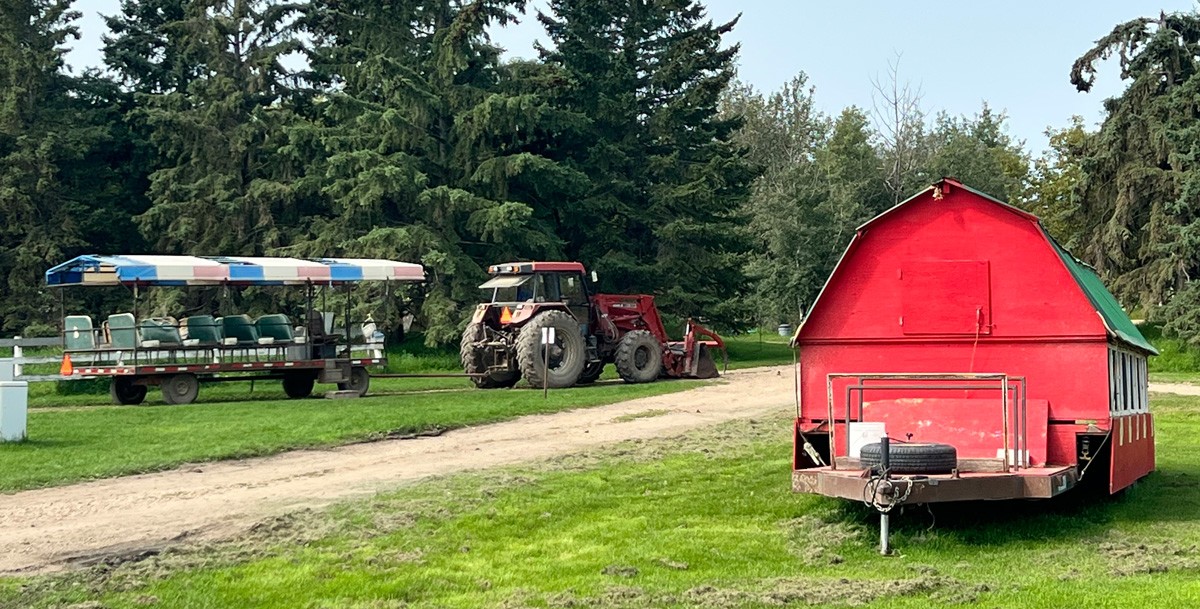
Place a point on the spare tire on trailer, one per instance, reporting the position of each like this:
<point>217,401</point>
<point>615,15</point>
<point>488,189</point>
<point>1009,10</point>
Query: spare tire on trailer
<point>567,355</point>
<point>472,357</point>
<point>639,357</point>
<point>912,458</point>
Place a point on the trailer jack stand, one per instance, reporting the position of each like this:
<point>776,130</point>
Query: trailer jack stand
<point>885,545</point>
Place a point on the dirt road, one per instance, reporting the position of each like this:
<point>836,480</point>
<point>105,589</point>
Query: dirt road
<point>49,529</point>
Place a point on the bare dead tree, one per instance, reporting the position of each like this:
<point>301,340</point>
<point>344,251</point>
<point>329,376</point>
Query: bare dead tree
<point>900,126</point>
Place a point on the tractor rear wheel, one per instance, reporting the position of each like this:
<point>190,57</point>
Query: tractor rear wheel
<point>639,357</point>
<point>474,362</point>
<point>567,355</point>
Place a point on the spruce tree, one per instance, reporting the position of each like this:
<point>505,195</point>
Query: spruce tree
<point>427,148</point>
<point>216,102</point>
<point>43,139</point>
<point>666,182</point>
<point>1139,194</point>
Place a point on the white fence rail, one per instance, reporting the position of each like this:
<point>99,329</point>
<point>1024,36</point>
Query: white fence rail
<point>19,359</point>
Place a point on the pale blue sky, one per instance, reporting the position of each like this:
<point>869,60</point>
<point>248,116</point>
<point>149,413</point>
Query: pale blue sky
<point>1015,55</point>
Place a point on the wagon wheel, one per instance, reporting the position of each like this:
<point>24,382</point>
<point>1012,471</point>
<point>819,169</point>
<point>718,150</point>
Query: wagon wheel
<point>360,381</point>
<point>124,390</point>
<point>180,389</point>
<point>914,458</point>
<point>298,384</point>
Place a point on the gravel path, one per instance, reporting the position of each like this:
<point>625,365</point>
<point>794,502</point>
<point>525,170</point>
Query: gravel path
<point>50,529</point>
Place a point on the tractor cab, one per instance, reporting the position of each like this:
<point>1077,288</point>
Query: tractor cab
<point>521,289</point>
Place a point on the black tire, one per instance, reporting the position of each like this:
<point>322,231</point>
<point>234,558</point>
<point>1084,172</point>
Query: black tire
<point>639,357</point>
<point>568,354</point>
<point>360,381</point>
<point>913,458</point>
<point>298,384</point>
<point>472,357</point>
<point>180,389</point>
<point>124,391</point>
<point>591,372</point>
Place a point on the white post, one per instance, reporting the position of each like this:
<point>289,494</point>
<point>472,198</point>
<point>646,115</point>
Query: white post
<point>14,405</point>
<point>18,368</point>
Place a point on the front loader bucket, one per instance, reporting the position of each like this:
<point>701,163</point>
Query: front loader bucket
<point>704,366</point>
<point>699,362</point>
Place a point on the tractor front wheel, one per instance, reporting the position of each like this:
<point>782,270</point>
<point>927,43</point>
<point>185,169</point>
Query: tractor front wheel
<point>639,357</point>
<point>474,361</point>
<point>591,372</point>
<point>557,364</point>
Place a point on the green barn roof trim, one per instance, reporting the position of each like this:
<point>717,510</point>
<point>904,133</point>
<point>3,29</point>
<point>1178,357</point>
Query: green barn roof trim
<point>1115,319</point>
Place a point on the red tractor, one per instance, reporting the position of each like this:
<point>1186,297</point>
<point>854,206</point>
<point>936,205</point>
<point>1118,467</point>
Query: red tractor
<point>504,341</point>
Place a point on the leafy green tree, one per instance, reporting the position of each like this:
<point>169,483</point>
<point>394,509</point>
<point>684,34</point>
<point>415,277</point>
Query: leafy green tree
<point>1053,182</point>
<point>424,146</point>
<point>1139,190</point>
<point>980,153</point>
<point>661,213</point>
<point>819,181</point>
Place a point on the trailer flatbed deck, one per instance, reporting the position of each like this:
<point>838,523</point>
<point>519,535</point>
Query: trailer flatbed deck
<point>1026,483</point>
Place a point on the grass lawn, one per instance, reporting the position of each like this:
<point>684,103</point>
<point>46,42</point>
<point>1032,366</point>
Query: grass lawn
<point>68,445</point>
<point>745,351</point>
<point>77,435</point>
<point>706,520</point>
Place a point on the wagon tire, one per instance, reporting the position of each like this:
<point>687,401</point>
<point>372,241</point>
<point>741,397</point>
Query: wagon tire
<point>124,391</point>
<point>639,357</point>
<point>472,356</point>
<point>567,358</point>
<point>912,458</point>
<point>180,389</point>
<point>360,381</point>
<point>298,385</point>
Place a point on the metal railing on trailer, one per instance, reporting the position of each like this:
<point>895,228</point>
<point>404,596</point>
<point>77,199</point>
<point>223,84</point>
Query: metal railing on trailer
<point>1013,403</point>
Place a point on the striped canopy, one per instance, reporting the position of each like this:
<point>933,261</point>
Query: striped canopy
<point>215,270</point>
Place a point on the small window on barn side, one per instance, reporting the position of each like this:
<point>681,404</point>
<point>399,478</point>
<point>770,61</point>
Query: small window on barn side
<point>1127,377</point>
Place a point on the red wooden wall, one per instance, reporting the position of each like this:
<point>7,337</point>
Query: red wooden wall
<point>960,284</point>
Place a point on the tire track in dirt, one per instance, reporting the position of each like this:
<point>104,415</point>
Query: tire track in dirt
<point>50,529</point>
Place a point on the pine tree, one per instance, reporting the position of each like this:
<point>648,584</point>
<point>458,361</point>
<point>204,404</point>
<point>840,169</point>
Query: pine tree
<point>427,148</point>
<point>41,141</point>
<point>217,106</point>
<point>1139,194</point>
<point>667,184</point>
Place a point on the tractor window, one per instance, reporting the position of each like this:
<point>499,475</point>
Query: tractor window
<point>571,287</point>
<point>548,288</point>
<point>510,288</point>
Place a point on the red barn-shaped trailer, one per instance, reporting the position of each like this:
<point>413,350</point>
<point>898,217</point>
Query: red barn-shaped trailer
<point>954,318</point>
